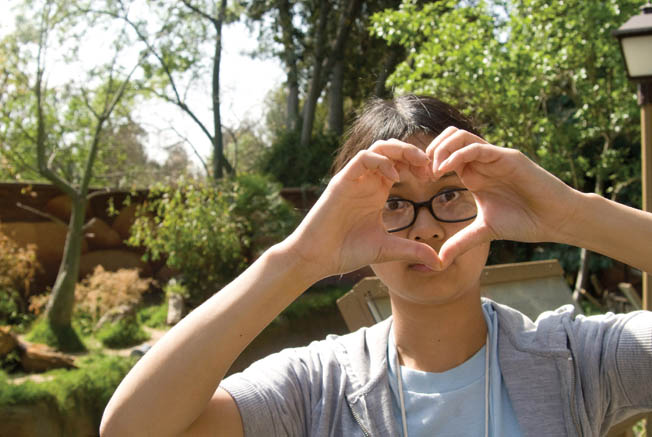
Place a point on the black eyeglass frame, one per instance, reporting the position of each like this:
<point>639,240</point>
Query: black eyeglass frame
<point>428,205</point>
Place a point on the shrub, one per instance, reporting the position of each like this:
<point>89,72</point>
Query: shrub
<point>18,267</point>
<point>295,166</point>
<point>122,333</point>
<point>102,290</point>
<point>210,232</point>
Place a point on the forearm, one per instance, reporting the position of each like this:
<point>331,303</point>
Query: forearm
<point>612,229</point>
<point>171,385</point>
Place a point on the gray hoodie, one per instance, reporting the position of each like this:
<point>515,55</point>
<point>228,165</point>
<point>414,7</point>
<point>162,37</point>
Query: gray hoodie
<point>565,375</point>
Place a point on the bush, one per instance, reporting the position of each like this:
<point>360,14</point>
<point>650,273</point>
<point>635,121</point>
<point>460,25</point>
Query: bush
<point>122,333</point>
<point>99,292</point>
<point>295,166</point>
<point>18,267</point>
<point>210,232</point>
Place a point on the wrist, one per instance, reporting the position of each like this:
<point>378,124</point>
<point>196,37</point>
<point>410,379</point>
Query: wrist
<point>290,258</point>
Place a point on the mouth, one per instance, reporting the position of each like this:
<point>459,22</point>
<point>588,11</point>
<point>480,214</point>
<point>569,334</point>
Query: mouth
<point>421,268</point>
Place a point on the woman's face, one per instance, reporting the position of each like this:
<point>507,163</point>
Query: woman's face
<point>415,282</point>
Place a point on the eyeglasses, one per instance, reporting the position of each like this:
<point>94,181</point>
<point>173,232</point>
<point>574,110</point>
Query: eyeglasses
<point>450,206</point>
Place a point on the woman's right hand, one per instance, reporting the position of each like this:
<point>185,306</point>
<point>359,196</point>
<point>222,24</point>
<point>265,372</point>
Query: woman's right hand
<point>344,230</point>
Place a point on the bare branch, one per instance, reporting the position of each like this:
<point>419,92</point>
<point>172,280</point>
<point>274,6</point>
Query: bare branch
<point>41,213</point>
<point>200,12</point>
<point>187,141</point>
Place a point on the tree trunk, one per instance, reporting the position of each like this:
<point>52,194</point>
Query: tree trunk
<point>290,59</point>
<point>310,105</point>
<point>58,313</point>
<point>336,99</point>
<point>391,61</point>
<point>218,142</point>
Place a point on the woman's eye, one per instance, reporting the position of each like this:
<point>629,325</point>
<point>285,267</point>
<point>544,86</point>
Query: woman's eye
<point>448,196</point>
<point>394,204</point>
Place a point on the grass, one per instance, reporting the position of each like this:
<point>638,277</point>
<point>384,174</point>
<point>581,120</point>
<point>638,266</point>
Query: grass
<point>89,387</point>
<point>123,333</point>
<point>66,339</point>
<point>154,316</point>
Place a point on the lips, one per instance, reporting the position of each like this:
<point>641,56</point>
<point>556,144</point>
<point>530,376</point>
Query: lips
<point>420,268</point>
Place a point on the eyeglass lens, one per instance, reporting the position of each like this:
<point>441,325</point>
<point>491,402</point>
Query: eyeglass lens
<point>448,206</point>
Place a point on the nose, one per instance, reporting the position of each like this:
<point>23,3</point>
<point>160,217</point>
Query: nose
<point>426,227</point>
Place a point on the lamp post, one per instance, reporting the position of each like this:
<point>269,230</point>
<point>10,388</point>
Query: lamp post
<point>635,37</point>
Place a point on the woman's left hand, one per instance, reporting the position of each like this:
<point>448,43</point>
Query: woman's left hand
<point>516,199</point>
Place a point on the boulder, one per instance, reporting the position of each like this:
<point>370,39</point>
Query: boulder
<point>100,235</point>
<point>8,340</point>
<point>61,207</point>
<point>112,261</point>
<point>125,219</point>
<point>175,309</point>
<point>48,237</point>
<point>115,314</point>
<point>36,357</point>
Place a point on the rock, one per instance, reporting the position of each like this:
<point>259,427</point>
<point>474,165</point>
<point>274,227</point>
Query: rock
<point>48,237</point>
<point>36,357</point>
<point>40,419</point>
<point>112,261</point>
<point>115,314</point>
<point>100,235</point>
<point>175,309</point>
<point>8,340</point>
<point>61,207</point>
<point>124,220</point>
<point>139,351</point>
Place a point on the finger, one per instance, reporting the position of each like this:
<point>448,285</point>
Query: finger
<point>403,249</point>
<point>450,145</point>
<point>365,161</point>
<point>478,152</point>
<point>450,130</point>
<point>401,151</point>
<point>471,236</point>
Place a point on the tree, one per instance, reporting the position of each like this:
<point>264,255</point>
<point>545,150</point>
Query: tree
<point>325,47</point>
<point>545,77</point>
<point>175,39</point>
<point>61,127</point>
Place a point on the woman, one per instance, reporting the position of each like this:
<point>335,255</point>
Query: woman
<point>421,211</point>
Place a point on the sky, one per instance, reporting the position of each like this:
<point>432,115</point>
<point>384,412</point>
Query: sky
<point>244,85</point>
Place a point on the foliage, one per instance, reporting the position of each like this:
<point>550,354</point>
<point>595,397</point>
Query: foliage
<point>544,77</point>
<point>122,333</point>
<point>210,232</point>
<point>314,301</point>
<point>296,166</point>
<point>175,287</point>
<point>18,267</point>
<point>87,388</point>
<point>102,290</point>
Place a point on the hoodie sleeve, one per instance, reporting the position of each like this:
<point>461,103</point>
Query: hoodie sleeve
<point>274,394</point>
<point>614,353</point>
<point>634,360</point>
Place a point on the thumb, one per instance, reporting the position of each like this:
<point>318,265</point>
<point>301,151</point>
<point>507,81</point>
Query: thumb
<point>403,249</point>
<point>471,236</point>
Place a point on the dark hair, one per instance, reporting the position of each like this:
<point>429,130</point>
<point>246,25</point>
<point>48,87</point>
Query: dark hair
<point>398,118</point>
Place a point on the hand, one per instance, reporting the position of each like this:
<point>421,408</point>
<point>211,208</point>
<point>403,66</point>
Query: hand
<point>516,199</point>
<point>344,230</point>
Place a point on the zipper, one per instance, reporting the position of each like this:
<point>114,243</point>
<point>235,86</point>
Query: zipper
<point>573,406</point>
<point>357,419</point>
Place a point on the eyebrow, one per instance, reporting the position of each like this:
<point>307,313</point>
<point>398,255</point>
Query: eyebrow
<point>445,175</point>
